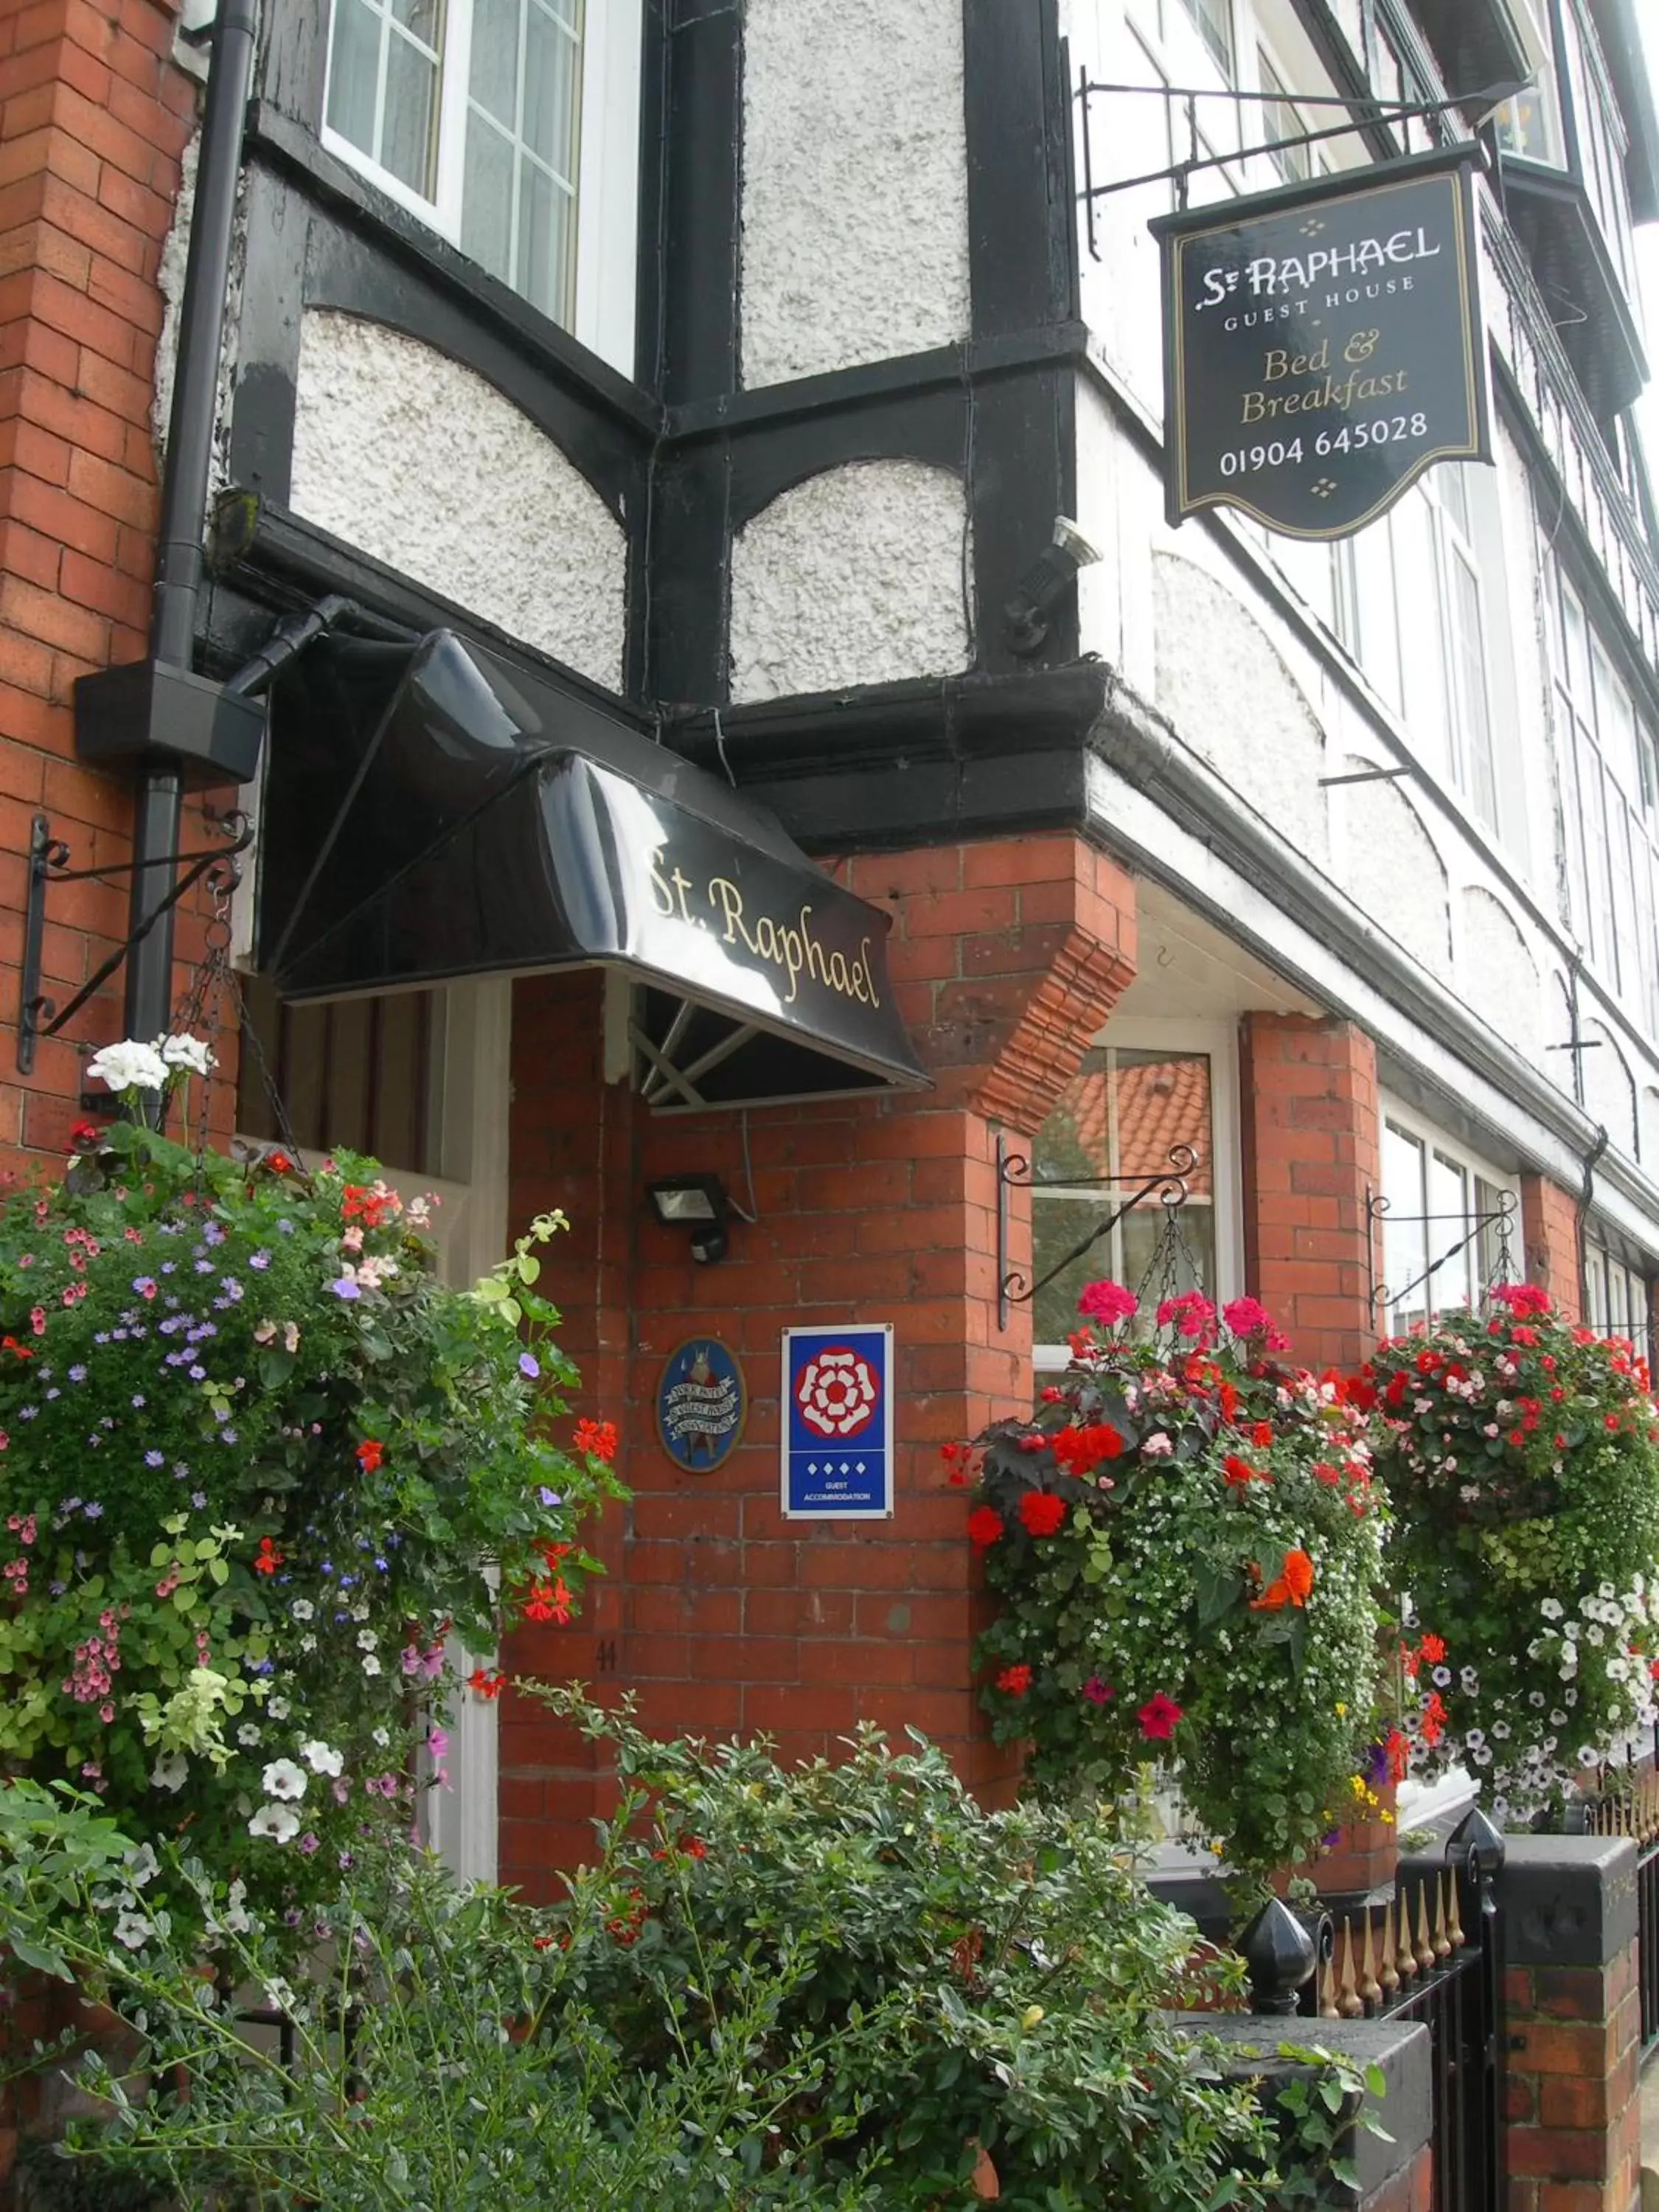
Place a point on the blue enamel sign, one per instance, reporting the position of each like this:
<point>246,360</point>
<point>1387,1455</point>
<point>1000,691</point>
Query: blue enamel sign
<point>702,1402</point>
<point>838,1424</point>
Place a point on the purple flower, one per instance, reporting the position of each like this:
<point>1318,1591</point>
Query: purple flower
<point>198,1374</point>
<point>308,1843</point>
<point>287,1228</point>
<point>204,1266</point>
<point>345,1288</point>
<point>94,1512</point>
<point>154,1458</point>
<point>227,1436</point>
<point>260,1259</point>
<point>145,1285</point>
<point>198,1499</point>
<point>549,1496</point>
<point>213,1234</point>
<point>138,1399</point>
<point>77,1374</point>
<point>529,1365</point>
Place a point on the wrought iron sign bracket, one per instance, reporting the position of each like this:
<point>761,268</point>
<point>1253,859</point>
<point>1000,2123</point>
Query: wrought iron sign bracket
<point>1169,1186</point>
<point>1378,1210</point>
<point>38,1016</point>
<point>1366,113</point>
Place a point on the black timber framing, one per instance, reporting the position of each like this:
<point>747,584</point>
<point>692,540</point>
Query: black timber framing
<point>684,455</point>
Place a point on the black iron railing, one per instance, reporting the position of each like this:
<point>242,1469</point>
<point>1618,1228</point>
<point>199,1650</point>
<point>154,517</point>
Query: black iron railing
<point>1432,1953</point>
<point>1632,1810</point>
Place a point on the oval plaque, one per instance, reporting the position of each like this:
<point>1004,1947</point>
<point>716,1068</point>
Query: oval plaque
<point>702,1402</point>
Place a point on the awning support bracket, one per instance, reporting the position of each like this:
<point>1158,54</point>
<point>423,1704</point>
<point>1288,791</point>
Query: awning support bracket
<point>38,1016</point>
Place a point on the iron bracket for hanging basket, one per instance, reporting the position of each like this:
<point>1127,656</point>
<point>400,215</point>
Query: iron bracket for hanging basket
<point>38,1016</point>
<point>1168,1186</point>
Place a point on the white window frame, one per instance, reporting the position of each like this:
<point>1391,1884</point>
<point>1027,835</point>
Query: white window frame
<point>1602,1264</point>
<point>470,1076</point>
<point>1219,1041</point>
<point>607,174</point>
<point>1458,1155</point>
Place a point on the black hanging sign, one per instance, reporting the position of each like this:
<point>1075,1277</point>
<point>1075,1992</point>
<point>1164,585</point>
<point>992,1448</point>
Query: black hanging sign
<point>1323,345</point>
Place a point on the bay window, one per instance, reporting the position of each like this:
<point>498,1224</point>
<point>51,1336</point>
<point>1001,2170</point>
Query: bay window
<point>1443,1242</point>
<point>511,127</point>
<point>1142,1089</point>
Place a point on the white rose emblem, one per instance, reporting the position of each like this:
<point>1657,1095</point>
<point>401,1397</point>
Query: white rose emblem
<point>837,1391</point>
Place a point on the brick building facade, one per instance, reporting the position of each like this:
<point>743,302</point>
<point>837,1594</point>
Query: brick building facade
<point>755,461</point>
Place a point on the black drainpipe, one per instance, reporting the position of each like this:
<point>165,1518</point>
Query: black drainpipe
<point>180,728</point>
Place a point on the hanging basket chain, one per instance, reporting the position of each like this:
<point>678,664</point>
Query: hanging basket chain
<point>1172,1265</point>
<point>249,1032</point>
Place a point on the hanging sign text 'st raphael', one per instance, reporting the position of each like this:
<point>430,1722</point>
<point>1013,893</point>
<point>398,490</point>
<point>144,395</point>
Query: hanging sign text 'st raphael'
<point>1323,346</point>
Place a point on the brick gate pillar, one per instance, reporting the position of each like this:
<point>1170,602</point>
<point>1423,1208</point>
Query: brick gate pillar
<point>1007,958</point>
<point>1312,1154</point>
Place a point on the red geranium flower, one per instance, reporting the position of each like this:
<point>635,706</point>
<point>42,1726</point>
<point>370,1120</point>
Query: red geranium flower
<point>1239,1472</point>
<point>1433,1648</point>
<point>484,1684</point>
<point>598,1438</point>
<point>270,1557</point>
<point>1079,1452</point>
<point>1015,1680</point>
<point>369,1455</point>
<point>1040,1512</point>
<point>984,1528</point>
<point>1158,1718</point>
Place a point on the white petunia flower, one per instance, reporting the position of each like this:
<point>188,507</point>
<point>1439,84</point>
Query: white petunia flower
<point>238,1919</point>
<point>283,1779</point>
<point>170,1771</point>
<point>277,1708</point>
<point>142,1866</point>
<point>247,1734</point>
<point>1552,1608</point>
<point>1588,1755</point>
<point>302,1608</point>
<point>371,1664</point>
<point>367,1639</point>
<point>132,1929</point>
<point>276,1821</point>
<point>321,1758</point>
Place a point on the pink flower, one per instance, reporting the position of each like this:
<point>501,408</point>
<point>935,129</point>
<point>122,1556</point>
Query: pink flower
<point>1191,1315</point>
<point>1158,1718</point>
<point>38,1320</point>
<point>1247,1317</point>
<point>1096,1691</point>
<point>1108,1303</point>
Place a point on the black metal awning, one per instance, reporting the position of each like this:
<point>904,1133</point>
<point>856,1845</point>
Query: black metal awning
<point>432,812</point>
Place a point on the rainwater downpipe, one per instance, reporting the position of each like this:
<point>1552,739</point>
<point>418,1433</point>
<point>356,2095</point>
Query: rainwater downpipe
<point>185,473</point>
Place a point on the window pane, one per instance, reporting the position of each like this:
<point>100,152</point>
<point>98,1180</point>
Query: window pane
<point>1405,1254</point>
<point>544,211</point>
<point>1214,22</point>
<point>494,68</point>
<point>486,199</point>
<point>407,144</point>
<point>420,16</point>
<point>1449,1202</point>
<point>353,66</point>
<point>1120,1114</point>
<point>1469,675</point>
<point>550,92</point>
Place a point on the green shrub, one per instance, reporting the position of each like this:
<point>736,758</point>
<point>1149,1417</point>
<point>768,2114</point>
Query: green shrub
<point>843,1987</point>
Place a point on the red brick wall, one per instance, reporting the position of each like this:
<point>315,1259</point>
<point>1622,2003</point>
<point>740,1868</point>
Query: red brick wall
<point>93,117</point>
<point>1007,959</point>
<point>1549,1229</point>
<point>1572,2108</point>
<point>1311,1153</point>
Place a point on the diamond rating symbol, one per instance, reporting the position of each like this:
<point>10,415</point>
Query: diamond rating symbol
<point>845,1468</point>
<point>859,1468</point>
<point>811,1467</point>
<point>1324,488</point>
<point>1312,227</point>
